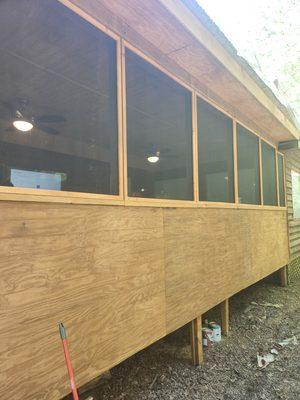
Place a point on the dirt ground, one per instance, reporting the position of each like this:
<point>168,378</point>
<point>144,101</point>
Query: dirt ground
<point>164,371</point>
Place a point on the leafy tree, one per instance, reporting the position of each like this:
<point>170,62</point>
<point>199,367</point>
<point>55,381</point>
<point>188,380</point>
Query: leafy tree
<point>266,33</point>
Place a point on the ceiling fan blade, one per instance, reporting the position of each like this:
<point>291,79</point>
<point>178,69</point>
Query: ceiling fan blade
<point>7,106</point>
<point>48,129</point>
<point>49,119</point>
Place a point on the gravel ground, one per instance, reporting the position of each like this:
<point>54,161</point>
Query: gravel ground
<point>164,371</point>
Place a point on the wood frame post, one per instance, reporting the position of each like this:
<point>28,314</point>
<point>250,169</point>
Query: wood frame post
<point>283,276</point>
<point>224,306</point>
<point>196,341</point>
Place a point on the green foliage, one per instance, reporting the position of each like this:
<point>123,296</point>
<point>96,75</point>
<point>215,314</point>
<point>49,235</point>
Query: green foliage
<point>266,33</point>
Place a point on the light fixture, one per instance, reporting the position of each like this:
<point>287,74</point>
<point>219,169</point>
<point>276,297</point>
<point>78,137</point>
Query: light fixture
<point>153,158</point>
<point>22,125</point>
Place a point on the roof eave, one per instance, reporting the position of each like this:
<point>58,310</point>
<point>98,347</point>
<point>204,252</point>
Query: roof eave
<point>183,12</point>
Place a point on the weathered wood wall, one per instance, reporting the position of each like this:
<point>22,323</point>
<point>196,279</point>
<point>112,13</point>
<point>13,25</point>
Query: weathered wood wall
<point>119,278</point>
<point>292,162</point>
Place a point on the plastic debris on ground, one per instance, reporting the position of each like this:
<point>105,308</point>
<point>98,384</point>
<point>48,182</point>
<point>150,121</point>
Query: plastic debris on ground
<point>264,360</point>
<point>292,340</point>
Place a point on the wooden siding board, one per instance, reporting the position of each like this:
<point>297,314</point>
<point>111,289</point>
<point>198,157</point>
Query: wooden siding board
<point>221,252</point>
<point>120,278</point>
<point>292,162</point>
<point>98,269</point>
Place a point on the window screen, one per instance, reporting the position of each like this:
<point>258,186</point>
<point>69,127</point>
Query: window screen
<point>269,174</point>
<point>281,180</point>
<point>248,166</point>
<point>57,77</point>
<point>215,146</point>
<point>159,133</point>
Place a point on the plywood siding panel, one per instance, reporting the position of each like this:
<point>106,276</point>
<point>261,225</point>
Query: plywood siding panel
<point>98,269</point>
<point>220,252</point>
<point>119,278</point>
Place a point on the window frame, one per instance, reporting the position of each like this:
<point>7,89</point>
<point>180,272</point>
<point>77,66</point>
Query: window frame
<point>276,171</point>
<point>278,153</point>
<point>44,195</point>
<point>253,132</point>
<point>40,195</point>
<point>154,201</point>
<point>206,203</point>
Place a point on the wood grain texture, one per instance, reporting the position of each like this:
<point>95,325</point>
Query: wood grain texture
<point>292,163</point>
<point>212,254</point>
<point>224,308</point>
<point>196,341</point>
<point>119,278</point>
<point>97,269</point>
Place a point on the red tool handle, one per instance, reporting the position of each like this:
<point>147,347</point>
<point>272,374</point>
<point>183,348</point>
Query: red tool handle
<point>63,336</point>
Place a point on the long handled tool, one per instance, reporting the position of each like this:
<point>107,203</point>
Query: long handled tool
<point>64,340</point>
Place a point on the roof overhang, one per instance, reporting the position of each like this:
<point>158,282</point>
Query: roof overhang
<point>183,12</point>
<point>171,33</point>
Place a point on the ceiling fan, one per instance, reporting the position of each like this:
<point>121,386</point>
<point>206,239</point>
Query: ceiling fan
<point>21,119</point>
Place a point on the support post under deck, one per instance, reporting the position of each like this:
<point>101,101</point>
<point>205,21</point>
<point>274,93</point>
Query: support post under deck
<point>224,306</point>
<point>196,341</point>
<point>283,276</point>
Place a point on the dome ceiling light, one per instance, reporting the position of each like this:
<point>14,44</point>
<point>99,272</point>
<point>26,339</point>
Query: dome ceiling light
<point>153,158</point>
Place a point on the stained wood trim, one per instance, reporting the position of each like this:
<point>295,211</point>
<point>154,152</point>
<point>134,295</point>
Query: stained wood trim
<point>277,178</point>
<point>52,196</point>
<point>284,177</point>
<point>140,201</point>
<point>195,148</point>
<point>260,173</point>
<point>235,164</point>
<point>7,190</point>
<point>120,118</point>
<point>60,197</point>
<point>261,207</point>
<point>124,120</point>
<point>215,204</point>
